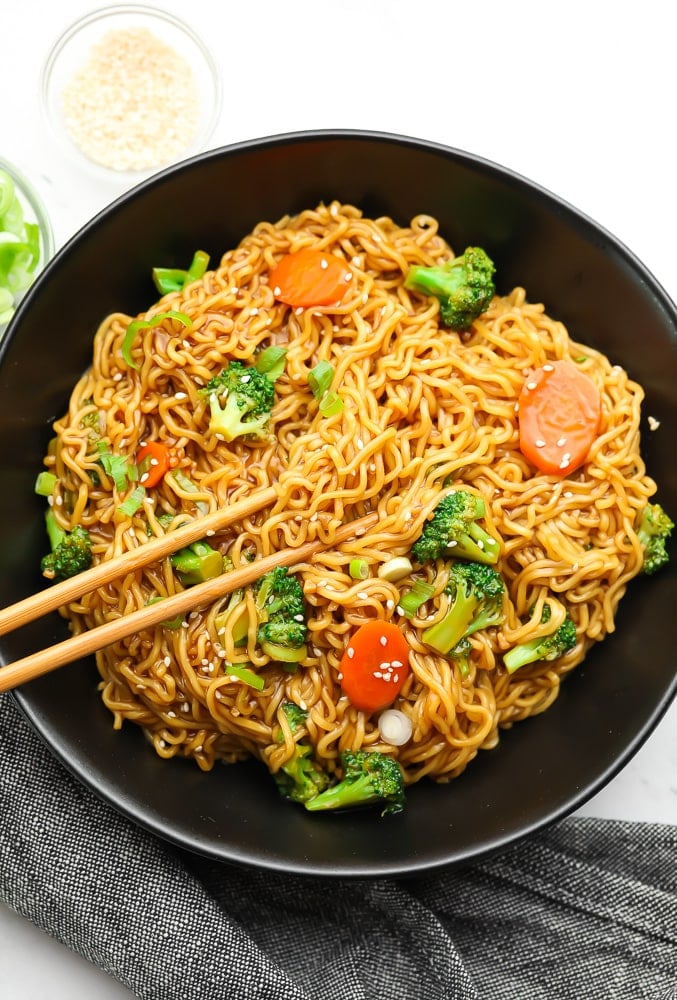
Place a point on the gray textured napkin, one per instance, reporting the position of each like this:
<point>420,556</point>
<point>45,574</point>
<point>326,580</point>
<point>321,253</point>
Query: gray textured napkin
<point>585,909</point>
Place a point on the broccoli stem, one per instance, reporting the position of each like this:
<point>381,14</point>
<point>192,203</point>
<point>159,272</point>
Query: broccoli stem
<point>197,562</point>
<point>359,792</point>
<point>445,634</point>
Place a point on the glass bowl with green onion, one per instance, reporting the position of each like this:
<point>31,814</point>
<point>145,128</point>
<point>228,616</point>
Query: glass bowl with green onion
<point>26,238</point>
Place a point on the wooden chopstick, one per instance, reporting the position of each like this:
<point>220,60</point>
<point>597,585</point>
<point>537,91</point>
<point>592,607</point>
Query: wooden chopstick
<point>46,660</point>
<point>62,593</point>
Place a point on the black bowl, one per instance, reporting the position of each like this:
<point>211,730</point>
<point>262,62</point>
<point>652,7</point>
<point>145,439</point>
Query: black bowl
<point>545,767</point>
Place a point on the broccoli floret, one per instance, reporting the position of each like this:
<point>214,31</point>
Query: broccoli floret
<point>464,286</point>
<point>71,550</point>
<point>453,530</point>
<point>240,401</point>
<point>368,777</point>
<point>196,563</point>
<point>653,532</point>
<point>282,630</point>
<point>546,647</point>
<point>300,778</point>
<point>476,591</point>
<point>460,654</point>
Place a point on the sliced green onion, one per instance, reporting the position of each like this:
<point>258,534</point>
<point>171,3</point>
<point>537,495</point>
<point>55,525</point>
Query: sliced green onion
<point>395,727</point>
<point>189,486</point>
<point>45,483</point>
<point>395,569</point>
<point>6,192</point>
<point>271,361</point>
<point>174,279</point>
<point>359,569</point>
<point>321,378</point>
<point>145,324</point>
<point>115,466</point>
<point>245,675</point>
<point>172,623</point>
<point>410,602</point>
<point>331,404</point>
<point>133,501</point>
<point>19,248</point>
<point>6,305</point>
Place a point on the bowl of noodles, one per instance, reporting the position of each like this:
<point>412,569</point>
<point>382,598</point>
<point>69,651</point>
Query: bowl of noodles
<point>471,639</point>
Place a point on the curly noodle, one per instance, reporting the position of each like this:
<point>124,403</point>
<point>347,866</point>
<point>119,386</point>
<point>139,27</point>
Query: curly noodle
<point>423,405</point>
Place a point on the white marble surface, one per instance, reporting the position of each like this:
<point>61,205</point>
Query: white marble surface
<point>578,96</point>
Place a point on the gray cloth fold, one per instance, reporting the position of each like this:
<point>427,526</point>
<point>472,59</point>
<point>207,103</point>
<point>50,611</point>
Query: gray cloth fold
<point>584,909</point>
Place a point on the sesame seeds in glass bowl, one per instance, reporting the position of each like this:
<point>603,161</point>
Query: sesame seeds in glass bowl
<point>130,89</point>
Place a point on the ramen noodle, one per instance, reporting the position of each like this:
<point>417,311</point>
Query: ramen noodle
<point>422,407</point>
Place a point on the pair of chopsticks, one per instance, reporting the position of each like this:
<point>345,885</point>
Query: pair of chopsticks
<point>31,608</point>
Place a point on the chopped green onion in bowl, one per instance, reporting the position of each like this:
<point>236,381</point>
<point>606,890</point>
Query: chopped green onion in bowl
<point>26,241</point>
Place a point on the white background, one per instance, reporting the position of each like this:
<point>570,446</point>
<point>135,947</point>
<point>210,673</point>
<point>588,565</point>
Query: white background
<point>578,96</point>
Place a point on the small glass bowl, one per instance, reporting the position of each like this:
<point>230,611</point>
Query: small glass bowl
<point>34,211</point>
<point>128,90</point>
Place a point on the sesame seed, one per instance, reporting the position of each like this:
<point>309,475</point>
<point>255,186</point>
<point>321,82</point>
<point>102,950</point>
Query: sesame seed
<point>363,595</point>
<point>180,395</point>
<point>167,661</point>
<point>350,652</point>
<point>210,532</point>
<point>531,385</point>
<point>548,368</point>
<point>561,442</point>
<point>298,310</point>
<point>276,290</point>
<point>384,640</point>
<point>377,673</point>
<point>566,458</point>
<point>540,443</point>
<point>324,264</point>
<point>348,276</point>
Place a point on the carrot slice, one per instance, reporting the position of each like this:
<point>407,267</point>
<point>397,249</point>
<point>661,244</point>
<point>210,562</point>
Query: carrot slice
<point>375,665</point>
<point>559,415</point>
<point>310,278</point>
<point>153,459</point>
